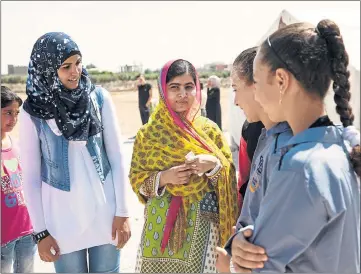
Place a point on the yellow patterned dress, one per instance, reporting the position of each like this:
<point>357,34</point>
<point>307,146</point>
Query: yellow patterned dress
<point>209,211</point>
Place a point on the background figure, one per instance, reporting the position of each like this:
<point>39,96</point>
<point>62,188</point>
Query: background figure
<point>213,106</point>
<point>203,101</point>
<point>17,246</point>
<point>144,98</point>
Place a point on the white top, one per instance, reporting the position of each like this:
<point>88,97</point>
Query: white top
<point>81,218</point>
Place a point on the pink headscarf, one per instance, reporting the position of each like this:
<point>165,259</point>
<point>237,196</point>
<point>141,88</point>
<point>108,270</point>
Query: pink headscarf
<point>184,124</point>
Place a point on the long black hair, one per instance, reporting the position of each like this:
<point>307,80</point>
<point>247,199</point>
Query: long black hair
<point>315,57</point>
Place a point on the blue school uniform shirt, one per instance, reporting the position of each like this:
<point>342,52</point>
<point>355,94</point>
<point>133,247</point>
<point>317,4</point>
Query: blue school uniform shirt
<point>266,157</point>
<point>309,217</point>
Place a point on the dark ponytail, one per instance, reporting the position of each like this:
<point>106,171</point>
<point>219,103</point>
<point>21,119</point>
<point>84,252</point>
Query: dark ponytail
<point>339,61</point>
<point>338,57</point>
<point>315,56</point>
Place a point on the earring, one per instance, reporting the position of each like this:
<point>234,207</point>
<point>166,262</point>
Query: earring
<point>281,95</point>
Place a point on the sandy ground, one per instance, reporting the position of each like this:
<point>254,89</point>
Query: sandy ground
<point>129,122</point>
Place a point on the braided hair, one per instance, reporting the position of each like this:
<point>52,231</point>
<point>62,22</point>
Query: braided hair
<point>315,57</point>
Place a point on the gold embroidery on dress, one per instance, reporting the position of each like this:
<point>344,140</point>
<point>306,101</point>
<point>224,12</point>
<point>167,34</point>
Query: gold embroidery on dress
<point>178,235</point>
<point>212,216</point>
<point>148,187</point>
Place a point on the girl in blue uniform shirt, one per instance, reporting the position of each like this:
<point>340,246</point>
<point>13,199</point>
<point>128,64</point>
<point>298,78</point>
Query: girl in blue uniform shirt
<point>309,217</point>
<point>265,157</point>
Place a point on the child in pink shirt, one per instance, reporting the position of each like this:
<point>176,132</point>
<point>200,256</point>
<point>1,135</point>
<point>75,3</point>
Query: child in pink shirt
<point>17,245</point>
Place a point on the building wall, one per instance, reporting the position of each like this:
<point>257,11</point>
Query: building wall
<point>127,68</point>
<point>17,70</point>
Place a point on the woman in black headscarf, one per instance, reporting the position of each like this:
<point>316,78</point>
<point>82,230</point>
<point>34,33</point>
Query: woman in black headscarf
<point>73,167</point>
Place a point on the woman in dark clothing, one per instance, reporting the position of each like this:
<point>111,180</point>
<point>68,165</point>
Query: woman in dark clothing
<point>213,106</point>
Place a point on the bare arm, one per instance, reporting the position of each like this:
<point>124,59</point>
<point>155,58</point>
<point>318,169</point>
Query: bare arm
<point>150,98</point>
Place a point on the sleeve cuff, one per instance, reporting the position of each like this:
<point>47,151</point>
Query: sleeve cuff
<point>159,192</point>
<point>214,174</point>
<point>150,187</point>
<point>228,245</point>
<point>121,213</point>
<point>215,170</point>
<point>38,230</point>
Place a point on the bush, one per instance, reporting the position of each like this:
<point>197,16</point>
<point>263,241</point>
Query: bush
<point>127,76</point>
<point>147,71</point>
<point>13,79</point>
<point>226,74</point>
<point>106,77</point>
<point>100,77</point>
<point>151,76</point>
<point>220,74</point>
<point>95,72</point>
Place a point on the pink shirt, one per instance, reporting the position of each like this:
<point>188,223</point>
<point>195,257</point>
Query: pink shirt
<point>15,220</point>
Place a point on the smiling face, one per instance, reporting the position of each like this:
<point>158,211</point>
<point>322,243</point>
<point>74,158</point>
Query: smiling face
<point>70,71</point>
<point>181,92</point>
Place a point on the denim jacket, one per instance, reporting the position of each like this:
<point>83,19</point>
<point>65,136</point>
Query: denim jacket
<point>54,150</point>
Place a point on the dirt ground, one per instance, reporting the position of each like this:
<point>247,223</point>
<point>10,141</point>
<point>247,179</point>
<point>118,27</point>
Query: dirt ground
<point>126,103</point>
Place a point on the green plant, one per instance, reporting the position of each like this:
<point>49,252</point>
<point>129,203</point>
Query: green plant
<point>100,77</point>
<point>13,79</point>
<point>147,71</point>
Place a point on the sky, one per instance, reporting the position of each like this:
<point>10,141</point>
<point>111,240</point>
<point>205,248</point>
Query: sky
<point>110,33</point>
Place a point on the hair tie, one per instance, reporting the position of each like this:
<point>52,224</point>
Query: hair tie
<point>280,59</point>
<point>352,135</point>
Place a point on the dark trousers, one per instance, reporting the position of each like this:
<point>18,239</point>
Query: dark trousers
<point>144,114</point>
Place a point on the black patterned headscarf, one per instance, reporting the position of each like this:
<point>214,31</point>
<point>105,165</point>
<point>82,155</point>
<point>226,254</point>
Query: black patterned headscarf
<point>48,98</point>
